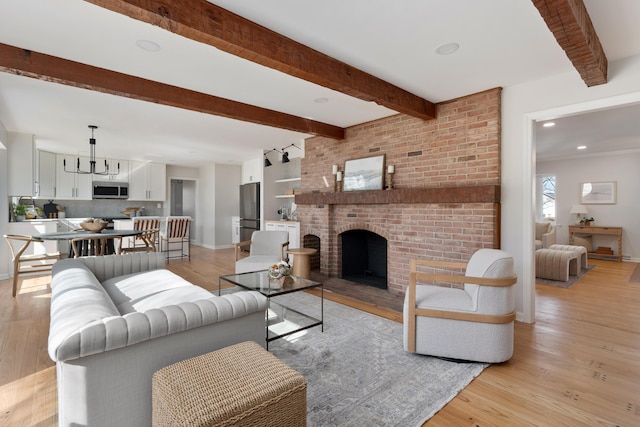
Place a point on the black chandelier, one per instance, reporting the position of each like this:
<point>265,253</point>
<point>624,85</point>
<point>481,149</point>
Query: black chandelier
<point>92,160</point>
<point>285,155</point>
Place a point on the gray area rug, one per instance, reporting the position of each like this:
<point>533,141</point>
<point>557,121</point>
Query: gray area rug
<point>358,373</point>
<point>569,283</point>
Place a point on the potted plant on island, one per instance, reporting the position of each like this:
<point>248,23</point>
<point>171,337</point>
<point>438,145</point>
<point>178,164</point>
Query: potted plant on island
<point>586,221</point>
<point>21,212</point>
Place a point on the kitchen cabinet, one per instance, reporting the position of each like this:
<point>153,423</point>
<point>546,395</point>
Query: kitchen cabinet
<point>292,227</point>
<point>73,186</point>
<point>122,176</point>
<point>20,164</point>
<point>235,229</point>
<point>45,180</point>
<point>147,181</point>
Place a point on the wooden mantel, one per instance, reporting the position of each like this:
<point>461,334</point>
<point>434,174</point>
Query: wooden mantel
<point>468,194</point>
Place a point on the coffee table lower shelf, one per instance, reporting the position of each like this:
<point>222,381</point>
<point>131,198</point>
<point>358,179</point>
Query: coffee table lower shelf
<point>281,319</point>
<point>284,321</point>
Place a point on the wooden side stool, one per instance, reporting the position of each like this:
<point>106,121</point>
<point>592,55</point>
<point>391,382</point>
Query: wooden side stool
<point>240,385</point>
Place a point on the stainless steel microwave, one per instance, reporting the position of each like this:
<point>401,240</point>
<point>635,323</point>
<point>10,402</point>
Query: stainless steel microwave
<point>110,190</point>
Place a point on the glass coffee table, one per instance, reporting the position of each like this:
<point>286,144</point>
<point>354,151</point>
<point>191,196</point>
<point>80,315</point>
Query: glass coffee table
<point>282,320</point>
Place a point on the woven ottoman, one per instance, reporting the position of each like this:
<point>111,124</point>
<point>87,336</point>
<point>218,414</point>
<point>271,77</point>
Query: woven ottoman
<point>556,265</point>
<point>240,385</point>
<point>581,250</point>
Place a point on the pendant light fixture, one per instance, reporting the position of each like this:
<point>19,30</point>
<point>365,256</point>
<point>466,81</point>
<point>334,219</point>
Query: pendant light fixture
<point>92,160</point>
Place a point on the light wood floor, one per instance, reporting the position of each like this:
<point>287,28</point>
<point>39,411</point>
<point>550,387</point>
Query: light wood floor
<point>578,365</point>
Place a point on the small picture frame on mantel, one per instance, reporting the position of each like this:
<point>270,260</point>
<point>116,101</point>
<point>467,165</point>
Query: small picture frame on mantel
<point>598,193</point>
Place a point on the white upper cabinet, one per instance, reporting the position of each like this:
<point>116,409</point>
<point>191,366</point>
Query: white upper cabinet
<point>122,176</point>
<point>20,164</point>
<point>73,185</point>
<point>45,181</point>
<point>147,181</point>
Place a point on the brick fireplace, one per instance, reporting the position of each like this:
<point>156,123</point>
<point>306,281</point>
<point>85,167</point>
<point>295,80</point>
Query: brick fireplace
<point>446,198</point>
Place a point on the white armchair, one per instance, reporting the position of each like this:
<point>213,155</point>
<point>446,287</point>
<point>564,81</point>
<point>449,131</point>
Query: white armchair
<point>545,235</point>
<point>469,320</point>
<point>267,247</point>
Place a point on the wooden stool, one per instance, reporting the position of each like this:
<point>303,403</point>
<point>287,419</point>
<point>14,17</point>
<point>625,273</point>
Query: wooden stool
<point>239,385</point>
<point>301,261</point>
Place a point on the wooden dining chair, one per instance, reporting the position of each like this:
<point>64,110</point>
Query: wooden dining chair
<point>149,237</point>
<point>88,246</point>
<point>30,263</point>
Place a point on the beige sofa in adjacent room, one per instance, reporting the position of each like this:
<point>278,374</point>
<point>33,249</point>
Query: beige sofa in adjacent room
<point>545,235</point>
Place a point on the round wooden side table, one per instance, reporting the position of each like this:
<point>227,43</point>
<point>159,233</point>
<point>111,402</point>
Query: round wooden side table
<point>301,261</point>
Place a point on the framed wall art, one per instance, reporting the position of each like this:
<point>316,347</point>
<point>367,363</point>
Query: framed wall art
<point>364,174</point>
<point>598,193</point>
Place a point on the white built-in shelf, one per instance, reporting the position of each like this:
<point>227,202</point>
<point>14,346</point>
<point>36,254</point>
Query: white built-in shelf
<point>289,179</point>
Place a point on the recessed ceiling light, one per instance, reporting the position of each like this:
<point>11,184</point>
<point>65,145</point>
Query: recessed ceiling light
<point>321,100</point>
<point>148,45</point>
<point>447,49</point>
<point>549,124</point>
<point>582,147</point>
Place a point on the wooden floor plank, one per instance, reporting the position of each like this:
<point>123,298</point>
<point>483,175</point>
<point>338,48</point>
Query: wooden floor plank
<point>579,364</point>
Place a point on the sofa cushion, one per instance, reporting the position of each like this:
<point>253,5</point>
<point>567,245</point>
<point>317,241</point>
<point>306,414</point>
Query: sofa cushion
<point>140,292</point>
<point>77,300</point>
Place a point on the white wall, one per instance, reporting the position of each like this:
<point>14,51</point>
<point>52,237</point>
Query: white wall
<point>207,205</point>
<point>624,169</point>
<point>5,258</point>
<point>218,200</point>
<point>227,186</point>
<point>521,105</point>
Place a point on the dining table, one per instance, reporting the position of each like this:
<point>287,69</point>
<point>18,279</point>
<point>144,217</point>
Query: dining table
<point>106,236</point>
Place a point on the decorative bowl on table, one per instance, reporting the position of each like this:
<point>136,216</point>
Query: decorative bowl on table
<point>94,225</point>
<point>278,273</point>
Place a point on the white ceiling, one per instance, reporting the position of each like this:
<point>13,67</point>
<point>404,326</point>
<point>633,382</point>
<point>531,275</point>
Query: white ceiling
<point>502,43</point>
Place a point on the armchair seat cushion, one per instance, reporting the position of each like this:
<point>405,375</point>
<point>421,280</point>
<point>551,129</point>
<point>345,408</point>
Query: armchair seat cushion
<point>256,263</point>
<point>443,298</point>
<point>267,247</point>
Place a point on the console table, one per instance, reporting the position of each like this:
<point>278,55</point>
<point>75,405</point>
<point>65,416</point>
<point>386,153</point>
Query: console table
<point>610,231</point>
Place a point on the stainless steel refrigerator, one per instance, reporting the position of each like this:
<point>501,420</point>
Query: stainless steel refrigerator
<point>249,210</point>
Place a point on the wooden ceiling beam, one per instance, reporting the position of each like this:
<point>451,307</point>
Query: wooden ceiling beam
<point>207,23</point>
<point>570,24</point>
<point>50,68</point>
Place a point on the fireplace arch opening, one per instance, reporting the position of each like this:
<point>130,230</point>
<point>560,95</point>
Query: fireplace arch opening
<point>364,258</point>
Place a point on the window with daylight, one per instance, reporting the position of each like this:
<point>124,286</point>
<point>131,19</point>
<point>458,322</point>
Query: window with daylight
<point>546,197</point>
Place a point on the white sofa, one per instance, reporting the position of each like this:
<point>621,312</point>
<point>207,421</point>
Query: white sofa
<point>115,320</point>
